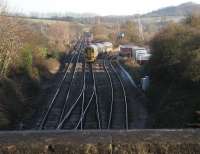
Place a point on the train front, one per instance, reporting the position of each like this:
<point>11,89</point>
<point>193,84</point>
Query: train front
<point>91,53</point>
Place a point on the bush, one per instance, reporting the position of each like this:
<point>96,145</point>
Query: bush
<point>175,71</point>
<point>55,54</point>
<point>26,59</point>
<point>4,121</point>
<point>40,53</point>
<point>11,101</point>
<point>176,53</point>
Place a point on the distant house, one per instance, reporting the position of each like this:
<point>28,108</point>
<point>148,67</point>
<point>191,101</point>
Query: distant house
<point>126,50</point>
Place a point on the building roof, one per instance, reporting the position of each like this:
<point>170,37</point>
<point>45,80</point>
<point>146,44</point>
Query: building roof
<point>131,46</point>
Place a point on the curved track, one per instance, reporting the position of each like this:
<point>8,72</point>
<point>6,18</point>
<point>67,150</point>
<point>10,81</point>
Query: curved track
<point>118,118</point>
<point>92,96</point>
<point>90,117</point>
<point>67,100</point>
<point>50,118</point>
<point>75,111</point>
<point>135,98</point>
<point>112,94</point>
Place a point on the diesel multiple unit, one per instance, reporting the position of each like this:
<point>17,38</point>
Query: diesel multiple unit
<point>93,50</point>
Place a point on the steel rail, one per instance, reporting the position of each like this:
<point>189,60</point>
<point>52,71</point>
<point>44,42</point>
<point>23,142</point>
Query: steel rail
<point>70,86</point>
<point>112,93</point>
<point>94,94</point>
<point>124,93</point>
<point>60,126</point>
<point>96,99</point>
<point>44,119</point>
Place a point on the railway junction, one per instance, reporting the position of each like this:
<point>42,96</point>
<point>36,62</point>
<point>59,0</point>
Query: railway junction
<point>96,108</point>
<point>96,95</point>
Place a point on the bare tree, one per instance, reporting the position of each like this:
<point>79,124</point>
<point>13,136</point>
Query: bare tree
<point>10,42</point>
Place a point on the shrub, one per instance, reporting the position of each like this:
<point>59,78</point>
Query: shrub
<point>40,53</point>
<point>54,54</point>
<point>4,121</point>
<point>26,59</point>
<point>175,72</point>
<point>11,102</point>
<point>176,53</point>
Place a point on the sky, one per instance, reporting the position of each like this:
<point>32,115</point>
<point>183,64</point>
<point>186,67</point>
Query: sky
<point>100,7</point>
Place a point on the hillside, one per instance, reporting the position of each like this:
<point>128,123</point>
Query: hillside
<point>180,10</point>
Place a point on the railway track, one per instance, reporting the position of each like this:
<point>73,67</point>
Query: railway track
<point>76,108</point>
<point>112,94</point>
<point>104,92</point>
<point>136,100</point>
<point>92,109</point>
<point>90,117</point>
<point>84,111</point>
<point>91,96</point>
<point>72,85</point>
<point>118,116</point>
<point>52,115</point>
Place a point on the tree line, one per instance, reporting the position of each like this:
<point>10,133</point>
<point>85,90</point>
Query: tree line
<point>176,51</point>
<point>175,74</point>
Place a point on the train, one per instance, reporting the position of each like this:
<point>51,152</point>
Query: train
<point>91,53</point>
<point>88,37</point>
<point>93,50</point>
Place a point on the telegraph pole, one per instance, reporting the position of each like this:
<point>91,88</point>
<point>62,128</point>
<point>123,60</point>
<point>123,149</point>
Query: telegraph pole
<point>140,28</point>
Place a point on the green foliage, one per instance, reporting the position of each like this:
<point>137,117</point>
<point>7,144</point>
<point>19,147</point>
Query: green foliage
<point>26,59</point>
<point>54,54</point>
<point>24,52</point>
<point>42,51</point>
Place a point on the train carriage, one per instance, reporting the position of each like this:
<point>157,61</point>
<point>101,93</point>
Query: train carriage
<point>108,46</point>
<point>100,48</point>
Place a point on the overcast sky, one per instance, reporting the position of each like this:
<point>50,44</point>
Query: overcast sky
<point>101,7</point>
